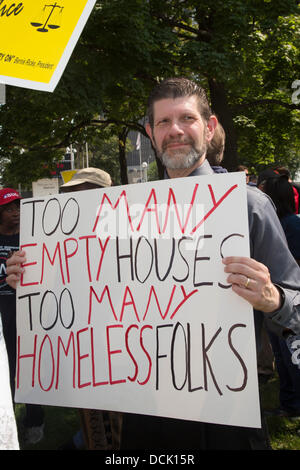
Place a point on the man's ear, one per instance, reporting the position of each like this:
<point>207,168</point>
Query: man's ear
<point>211,126</point>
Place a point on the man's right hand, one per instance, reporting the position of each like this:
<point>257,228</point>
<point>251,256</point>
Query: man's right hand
<point>14,268</point>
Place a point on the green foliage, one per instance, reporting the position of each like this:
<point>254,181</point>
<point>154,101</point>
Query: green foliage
<point>246,53</point>
<point>105,155</point>
<point>284,433</point>
<point>25,167</point>
<point>153,172</point>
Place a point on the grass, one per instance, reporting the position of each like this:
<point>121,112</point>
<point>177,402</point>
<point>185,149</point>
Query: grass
<point>62,423</point>
<point>284,433</point>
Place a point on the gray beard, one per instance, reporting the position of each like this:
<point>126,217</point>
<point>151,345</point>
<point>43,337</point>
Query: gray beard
<point>181,161</point>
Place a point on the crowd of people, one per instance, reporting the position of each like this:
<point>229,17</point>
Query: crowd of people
<point>190,141</point>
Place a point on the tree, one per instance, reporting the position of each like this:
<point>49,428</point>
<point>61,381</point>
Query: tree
<point>152,172</point>
<point>245,52</point>
<point>104,155</point>
<point>101,87</point>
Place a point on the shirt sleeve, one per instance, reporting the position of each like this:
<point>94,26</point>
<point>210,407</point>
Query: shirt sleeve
<point>268,245</point>
<point>289,314</point>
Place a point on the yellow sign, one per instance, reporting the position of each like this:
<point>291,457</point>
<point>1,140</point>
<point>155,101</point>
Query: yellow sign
<point>37,38</point>
<point>67,175</point>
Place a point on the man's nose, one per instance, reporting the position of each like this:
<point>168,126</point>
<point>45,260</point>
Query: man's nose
<point>176,128</point>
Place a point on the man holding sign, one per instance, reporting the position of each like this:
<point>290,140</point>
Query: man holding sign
<point>180,126</point>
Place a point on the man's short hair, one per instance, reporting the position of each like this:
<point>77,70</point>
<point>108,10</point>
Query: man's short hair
<point>178,87</point>
<point>241,168</point>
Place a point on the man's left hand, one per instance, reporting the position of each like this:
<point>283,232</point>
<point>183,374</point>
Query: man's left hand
<point>252,281</point>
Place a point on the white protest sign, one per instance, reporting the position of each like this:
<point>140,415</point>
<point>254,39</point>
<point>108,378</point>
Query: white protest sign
<point>125,305</point>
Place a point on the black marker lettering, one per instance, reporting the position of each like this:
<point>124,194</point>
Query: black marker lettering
<point>245,371</point>
<point>200,258</point>
<point>33,212</point>
<point>29,305</point>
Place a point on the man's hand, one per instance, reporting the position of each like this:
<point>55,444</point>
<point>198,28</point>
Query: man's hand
<point>14,268</point>
<point>251,280</point>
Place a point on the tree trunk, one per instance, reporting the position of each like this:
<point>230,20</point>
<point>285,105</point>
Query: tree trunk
<point>222,110</point>
<point>122,155</point>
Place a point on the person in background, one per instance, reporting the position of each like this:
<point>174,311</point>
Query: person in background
<point>281,170</point>
<point>252,180</point>
<point>87,178</point>
<point>101,430</point>
<point>215,149</point>
<point>33,424</point>
<point>245,169</point>
<point>280,190</point>
<point>263,176</point>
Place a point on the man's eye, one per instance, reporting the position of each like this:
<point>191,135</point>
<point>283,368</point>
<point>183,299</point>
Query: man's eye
<point>188,118</point>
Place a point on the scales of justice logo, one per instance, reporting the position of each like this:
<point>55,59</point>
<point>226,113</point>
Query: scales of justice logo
<point>51,12</point>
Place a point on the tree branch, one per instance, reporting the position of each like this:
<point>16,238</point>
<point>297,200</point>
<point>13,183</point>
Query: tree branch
<point>130,124</point>
<point>199,33</point>
<point>65,141</point>
<point>266,101</point>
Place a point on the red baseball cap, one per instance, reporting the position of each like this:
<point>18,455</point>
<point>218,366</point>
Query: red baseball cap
<point>8,195</point>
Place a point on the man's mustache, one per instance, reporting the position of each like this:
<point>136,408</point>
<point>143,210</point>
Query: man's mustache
<point>176,141</point>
